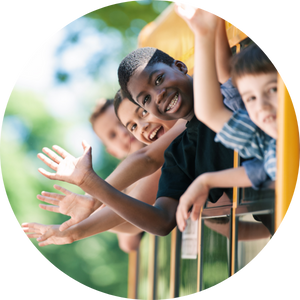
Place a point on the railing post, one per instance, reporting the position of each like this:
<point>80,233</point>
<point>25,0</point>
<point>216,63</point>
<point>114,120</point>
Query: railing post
<point>133,257</point>
<point>175,263</point>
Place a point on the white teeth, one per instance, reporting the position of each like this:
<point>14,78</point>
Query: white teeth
<point>153,134</point>
<point>173,102</point>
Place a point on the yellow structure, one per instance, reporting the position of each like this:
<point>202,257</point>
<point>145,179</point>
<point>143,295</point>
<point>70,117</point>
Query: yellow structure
<point>172,35</point>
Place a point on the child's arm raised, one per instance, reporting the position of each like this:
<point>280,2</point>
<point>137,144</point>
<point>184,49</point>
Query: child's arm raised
<point>197,193</point>
<point>208,100</point>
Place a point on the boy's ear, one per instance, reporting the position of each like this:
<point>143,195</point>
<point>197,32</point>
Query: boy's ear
<point>181,66</point>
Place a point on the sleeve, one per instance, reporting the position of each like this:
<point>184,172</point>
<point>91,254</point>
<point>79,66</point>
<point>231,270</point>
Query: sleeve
<point>241,134</point>
<point>270,159</point>
<point>231,97</point>
<point>256,172</point>
<point>173,181</point>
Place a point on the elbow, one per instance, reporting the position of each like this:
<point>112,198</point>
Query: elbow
<point>164,229</point>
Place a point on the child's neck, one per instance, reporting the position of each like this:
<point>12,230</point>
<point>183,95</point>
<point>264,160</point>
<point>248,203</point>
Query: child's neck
<point>189,116</point>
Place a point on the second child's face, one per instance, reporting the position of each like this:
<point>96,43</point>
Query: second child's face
<point>164,91</point>
<point>143,125</point>
<point>259,93</point>
<point>117,140</point>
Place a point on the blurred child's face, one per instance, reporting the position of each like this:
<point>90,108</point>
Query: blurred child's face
<point>164,91</point>
<point>117,140</point>
<point>259,93</point>
<point>143,125</point>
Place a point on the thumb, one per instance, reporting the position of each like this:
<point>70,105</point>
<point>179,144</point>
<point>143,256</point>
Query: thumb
<point>45,236</point>
<point>86,148</point>
<point>66,224</point>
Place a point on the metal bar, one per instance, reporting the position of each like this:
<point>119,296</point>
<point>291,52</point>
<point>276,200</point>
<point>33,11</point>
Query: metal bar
<point>175,263</point>
<point>199,277</point>
<point>152,266</point>
<point>132,274</point>
<point>233,220</point>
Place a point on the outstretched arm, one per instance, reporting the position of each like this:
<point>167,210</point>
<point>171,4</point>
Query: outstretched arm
<point>158,220</point>
<point>197,193</point>
<point>208,100</point>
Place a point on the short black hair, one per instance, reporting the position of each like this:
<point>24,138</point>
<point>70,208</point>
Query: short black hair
<point>250,61</point>
<point>137,58</point>
<point>119,97</point>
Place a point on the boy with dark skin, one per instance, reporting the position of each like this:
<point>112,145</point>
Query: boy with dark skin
<point>168,89</point>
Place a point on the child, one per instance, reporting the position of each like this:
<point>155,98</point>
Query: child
<point>116,139</point>
<point>79,207</point>
<point>160,83</point>
<point>192,153</point>
<point>256,80</point>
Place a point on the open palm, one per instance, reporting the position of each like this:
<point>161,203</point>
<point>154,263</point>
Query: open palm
<point>67,167</point>
<point>78,207</point>
<point>47,234</point>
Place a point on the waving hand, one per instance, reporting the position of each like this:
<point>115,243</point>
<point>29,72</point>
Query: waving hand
<point>78,207</point>
<point>47,234</point>
<point>67,167</point>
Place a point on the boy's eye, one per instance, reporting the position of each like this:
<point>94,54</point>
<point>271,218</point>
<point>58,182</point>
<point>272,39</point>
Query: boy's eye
<point>146,99</point>
<point>273,90</point>
<point>144,113</point>
<point>158,79</point>
<point>249,99</point>
<point>112,135</point>
<point>133,127</point>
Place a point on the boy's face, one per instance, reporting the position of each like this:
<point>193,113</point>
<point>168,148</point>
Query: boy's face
<point>143,125</point>
<point>259,93</point>
<point>164,91</point>
<point>117,140</point>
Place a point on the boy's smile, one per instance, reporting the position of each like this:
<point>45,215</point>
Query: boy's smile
<point>165,91</point>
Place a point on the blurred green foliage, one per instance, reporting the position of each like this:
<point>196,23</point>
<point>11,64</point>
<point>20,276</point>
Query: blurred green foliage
<point>28,126</point>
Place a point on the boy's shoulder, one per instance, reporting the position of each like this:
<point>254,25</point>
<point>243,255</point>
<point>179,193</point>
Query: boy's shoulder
<point>231,96</point>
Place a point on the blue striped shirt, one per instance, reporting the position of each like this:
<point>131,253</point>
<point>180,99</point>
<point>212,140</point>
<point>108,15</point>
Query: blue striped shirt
<point>241,134</point>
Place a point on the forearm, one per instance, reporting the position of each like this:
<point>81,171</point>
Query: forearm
<point>223,53</point>
<point>235,177</point>
<point>209,107</point>
<point>156,220</point>
<point>134,167</point>
<point>100,221</point>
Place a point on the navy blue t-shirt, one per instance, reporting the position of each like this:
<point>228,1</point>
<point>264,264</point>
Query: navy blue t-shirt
<point>191,154</point>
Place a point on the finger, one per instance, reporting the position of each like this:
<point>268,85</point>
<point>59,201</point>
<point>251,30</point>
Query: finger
<point>31,227</point>
<point>87,148</point>
<point>52,208</point>
<point>52,155</point>
<point>46,243</point>
<point>45,236</point>
<point>180,220</point>
<point>48,200</point>
<point>63,190</point>
<point>32,236</point>
<point>67,224</point>
<point>48,174</point>
<point>56,196</point>
<point>48,161</point>
<point>196,212</point>
<point>63,153</point>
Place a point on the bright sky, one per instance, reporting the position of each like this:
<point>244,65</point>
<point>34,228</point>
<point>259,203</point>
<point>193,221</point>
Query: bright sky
<point>67,100</point>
